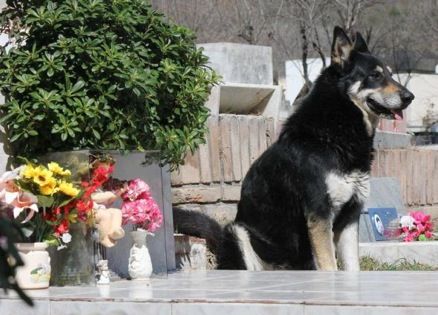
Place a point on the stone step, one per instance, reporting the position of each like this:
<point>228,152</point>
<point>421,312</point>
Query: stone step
<point>393,252</point>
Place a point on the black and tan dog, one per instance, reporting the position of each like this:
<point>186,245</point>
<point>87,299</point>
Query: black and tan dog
<point>301,199</point>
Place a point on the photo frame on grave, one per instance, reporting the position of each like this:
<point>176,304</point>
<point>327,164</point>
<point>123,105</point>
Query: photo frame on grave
<point>382,222</point>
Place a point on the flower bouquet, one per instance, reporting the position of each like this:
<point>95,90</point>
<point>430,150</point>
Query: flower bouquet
<point>51,207</point>
<point>139,208</point>
<point>416,226</point>
<point>41,198</point>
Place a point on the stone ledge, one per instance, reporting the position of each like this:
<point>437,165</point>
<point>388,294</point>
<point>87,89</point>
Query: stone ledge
<point>391,252</point>
<point>392,140</point>
<point>231,193</point>
<point>196,194</point>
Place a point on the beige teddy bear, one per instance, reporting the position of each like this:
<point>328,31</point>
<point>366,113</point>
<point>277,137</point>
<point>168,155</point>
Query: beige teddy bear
<point>108,221</point>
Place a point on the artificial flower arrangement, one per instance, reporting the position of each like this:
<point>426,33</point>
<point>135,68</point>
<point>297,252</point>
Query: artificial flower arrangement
<point>46,201</point>
<point>139,208</point>
<point>416,226</point>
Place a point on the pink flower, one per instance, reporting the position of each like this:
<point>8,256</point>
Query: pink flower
<point>137,189</point>
<point>409,238</point>
<point>420,228</point>
<point>144,213</point>
<point>428,234</point>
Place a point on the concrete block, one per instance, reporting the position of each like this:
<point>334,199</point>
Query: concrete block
<point>274,103</point>
<point>196,194</point>
<point>231,192</point>
<point>262,135</point>
<point>225,147</point>
<point>204,162</point>
<point>175,178</point>
<point>240,63</point>
<point>256,99</point>
<point>244,143</point>
<point>189,172</point>
<point>253,140</point>
<point>213,138</point>
<point>244,98</point>
<point>235,149</point>
<point>392,140</point>
<point>271,135</point>
<point>213,100</point>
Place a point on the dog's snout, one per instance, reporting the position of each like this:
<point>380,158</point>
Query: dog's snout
<point>406,97</point>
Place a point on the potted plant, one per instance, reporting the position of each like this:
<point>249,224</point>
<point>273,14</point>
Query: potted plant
<point>79,74</point>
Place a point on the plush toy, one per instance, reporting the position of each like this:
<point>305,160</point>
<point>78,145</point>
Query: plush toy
<point>108,221</point>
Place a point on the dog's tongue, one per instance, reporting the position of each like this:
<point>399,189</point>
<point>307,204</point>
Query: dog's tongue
<point>398,114</point>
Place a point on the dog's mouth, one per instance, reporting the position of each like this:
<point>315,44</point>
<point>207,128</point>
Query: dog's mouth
<point>388,113</point>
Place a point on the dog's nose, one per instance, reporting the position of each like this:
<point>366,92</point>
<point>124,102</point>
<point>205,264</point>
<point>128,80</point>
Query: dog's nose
<point>406,97</point>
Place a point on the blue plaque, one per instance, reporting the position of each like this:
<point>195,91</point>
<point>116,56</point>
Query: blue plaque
<point>380,221</point>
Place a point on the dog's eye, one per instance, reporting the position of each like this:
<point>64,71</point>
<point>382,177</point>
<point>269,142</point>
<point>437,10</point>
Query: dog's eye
<point>376,75</point>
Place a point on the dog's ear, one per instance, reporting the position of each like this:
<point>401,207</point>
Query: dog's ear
<point>341,46</point>
<point>360,44</point>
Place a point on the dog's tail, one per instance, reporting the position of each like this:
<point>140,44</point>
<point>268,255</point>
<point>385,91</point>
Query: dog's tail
<point>197,224</point>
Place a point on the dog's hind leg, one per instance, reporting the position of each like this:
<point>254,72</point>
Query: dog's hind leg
<point>321,240</point>
<point>347,245</point>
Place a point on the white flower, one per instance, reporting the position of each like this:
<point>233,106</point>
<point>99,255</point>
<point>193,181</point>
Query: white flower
<point>66,238</point>
<point>407,221</point>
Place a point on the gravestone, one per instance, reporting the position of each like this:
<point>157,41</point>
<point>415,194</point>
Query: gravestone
<point>384,193</point>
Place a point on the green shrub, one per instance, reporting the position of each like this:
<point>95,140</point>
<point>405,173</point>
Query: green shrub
<point>101,74</point>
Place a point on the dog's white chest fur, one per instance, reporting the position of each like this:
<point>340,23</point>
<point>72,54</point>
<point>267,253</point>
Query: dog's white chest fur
<point>342,187</point>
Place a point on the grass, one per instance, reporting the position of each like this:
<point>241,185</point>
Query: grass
<point>371,264</point>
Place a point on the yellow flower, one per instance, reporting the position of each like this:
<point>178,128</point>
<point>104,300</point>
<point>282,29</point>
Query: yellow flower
<point>28,171</point>
<point>49,188</point>
<point>56,169</point>
<point>68,189</point>
<point>42,176</point>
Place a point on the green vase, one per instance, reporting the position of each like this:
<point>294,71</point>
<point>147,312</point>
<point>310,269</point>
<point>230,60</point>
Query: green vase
<point>74,265</point>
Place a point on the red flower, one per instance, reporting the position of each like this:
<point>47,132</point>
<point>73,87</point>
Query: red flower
<point>62,227</point>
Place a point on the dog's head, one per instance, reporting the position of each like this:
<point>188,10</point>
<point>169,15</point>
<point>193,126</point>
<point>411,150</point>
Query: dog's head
<point>366,80</point>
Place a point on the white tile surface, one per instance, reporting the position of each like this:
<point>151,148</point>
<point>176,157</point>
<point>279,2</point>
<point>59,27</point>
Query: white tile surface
<point>238,292</point>
<point>236,309</point>
<point>108,308</point>
<point>365,310</point>
<point>17,307</point>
